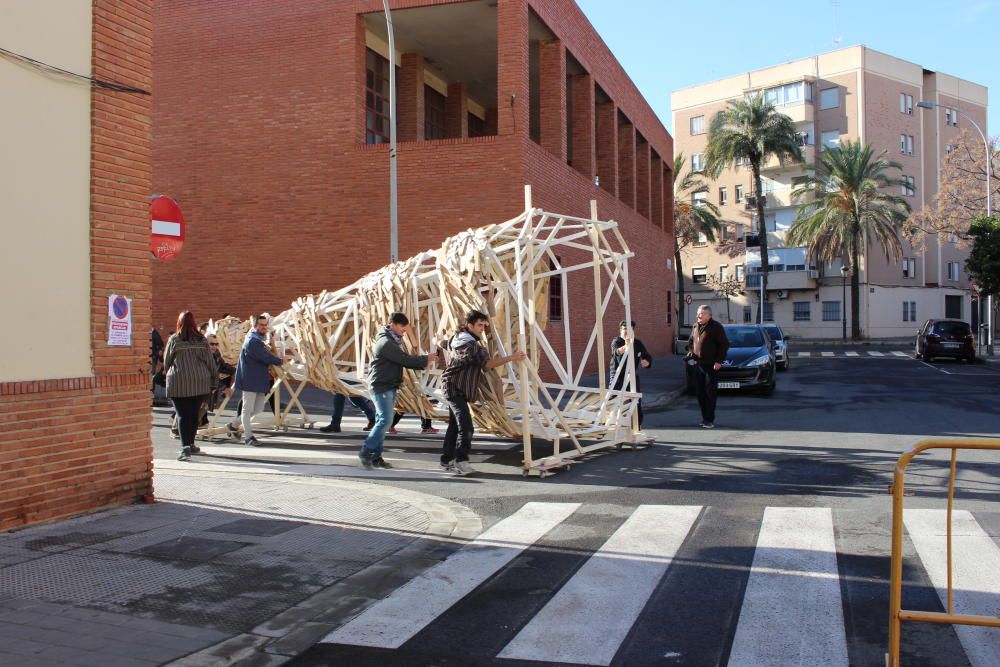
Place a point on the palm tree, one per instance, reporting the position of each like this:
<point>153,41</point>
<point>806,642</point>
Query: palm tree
<point>751,130</point>
<point>852,206</point>
<point>692,220</point>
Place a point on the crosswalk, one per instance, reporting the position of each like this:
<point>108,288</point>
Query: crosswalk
<point>517,593</point>
<point>851,354</point>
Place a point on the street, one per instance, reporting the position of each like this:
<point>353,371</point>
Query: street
<point>710,547</point>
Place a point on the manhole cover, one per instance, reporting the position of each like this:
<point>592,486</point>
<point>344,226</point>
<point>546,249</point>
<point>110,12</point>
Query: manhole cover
<point>192,548</point>
<point>257,527</point>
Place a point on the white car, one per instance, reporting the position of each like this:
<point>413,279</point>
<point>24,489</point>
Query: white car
<point>780,342</point>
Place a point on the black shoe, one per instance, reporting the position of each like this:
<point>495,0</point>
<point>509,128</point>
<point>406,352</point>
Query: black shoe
<point>195,449</point>
<point>366,461</point>
<point>381,463</point>
<point>370,425</point>
<point>330,428</point>
<point>232,431</point>
<point>185,454</point>
<point>251,442</point>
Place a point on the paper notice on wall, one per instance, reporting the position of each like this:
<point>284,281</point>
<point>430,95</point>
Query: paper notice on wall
<point>119,320</point>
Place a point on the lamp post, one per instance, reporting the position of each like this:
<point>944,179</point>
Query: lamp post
<point>393,193</point>
<point>989,204</point>
<point>843,301</point>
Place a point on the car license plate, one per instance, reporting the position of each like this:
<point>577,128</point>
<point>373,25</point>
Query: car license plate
<point>952,344</point>
<point>729,385</point>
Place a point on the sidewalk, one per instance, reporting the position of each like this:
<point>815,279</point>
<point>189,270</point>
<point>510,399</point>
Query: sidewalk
<point>228,566</point>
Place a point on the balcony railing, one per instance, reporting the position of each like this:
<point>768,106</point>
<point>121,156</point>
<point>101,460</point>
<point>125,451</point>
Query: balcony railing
<point>805,279</point>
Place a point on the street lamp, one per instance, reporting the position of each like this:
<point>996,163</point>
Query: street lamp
<point>843,301</point>
<point>989,206</point>
<point>393,196</point>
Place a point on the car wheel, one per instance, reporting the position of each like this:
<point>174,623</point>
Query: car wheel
<point>783,367</point>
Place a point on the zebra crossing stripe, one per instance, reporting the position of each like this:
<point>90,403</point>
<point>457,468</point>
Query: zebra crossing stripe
<point>590,616</point>
<point>976,586</point>
<point>792,613</point>
<point>827,354</point>
<point>897,353</point>
<point>391,622</point>
<point>875,353</point>
<point>805,354</point>
<point>851,354</point>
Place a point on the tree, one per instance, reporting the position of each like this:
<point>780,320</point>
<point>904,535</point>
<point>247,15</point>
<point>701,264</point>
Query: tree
<point>962,194</point>
<point>984,259</point>
<point>853,205</point>
<point>751,130</point>
<point>692,221</point>
<point>727,288</point>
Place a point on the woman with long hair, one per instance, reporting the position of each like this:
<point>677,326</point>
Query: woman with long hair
<point>191,376</point>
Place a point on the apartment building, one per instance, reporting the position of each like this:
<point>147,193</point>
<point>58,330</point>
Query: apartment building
<point>272,121</point>
<point>854,93</point>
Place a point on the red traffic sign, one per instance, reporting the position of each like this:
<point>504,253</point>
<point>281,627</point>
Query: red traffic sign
<point>688,299</point>
<point>167,233</point>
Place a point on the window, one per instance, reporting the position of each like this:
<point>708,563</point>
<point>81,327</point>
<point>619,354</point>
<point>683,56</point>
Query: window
<point>728,232</point>
<point>723,271</point>
<point>907,185</point>
<point>741,162</point>
<point>951,117</point>
<point>906,144</point>
<point>702,239</point>
<point>700,275</point>
<point>953,271</point>
<point>906,103</point>
<point>831,311</point>
<point>909,267</point>
<point>724,196</point>
<point>376,98</point>
<point>953,306</point>
<point>433,114</point>
<point>829,98</point>
<point>747,313</point>
<point>739,191</point>
<point>555,293</point>
<point>697,162</point>
<point>699,198</point>
<point>800,311</point>
<point>670,307</point>
<point>788,94</point>
<point>740,275</point>
<point>768,311</point>
<point>909,311</point>
<point>698,125</point>
<point>477,126</point>
<point>795,267</point>
<point>830,138</point>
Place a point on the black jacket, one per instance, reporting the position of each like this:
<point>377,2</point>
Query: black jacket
<point>640,352</point>
<point>714,343</point>
<point>388,361</point>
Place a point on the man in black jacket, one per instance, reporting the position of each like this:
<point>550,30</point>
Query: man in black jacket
<point>619,347</point>
<point>385,375</point>
<point>708,345</point>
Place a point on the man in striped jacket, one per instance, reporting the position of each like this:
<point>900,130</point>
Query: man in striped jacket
<point>460,382</point>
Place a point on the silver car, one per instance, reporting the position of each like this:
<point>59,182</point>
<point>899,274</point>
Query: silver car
<point>780,342</point>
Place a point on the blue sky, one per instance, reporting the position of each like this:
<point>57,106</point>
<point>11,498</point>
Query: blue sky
<point>670,44</point>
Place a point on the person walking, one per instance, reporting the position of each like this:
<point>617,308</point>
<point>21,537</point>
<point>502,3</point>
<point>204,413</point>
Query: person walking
<point>253,378</point>
<point>426,425</point>
<point>460,383</point>
<point>619,348</point>
<point>191,375</point>
<point>708,345</point>
<point>360,402</point>
<point>385,375</point>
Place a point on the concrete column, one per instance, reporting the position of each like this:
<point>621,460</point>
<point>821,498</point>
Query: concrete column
<point>512,67</point>
<point>552,97</point>
<point>583,126</point>
<point>668,200</point>
<point>606,118</point>
<point>656,188</point>
<point>456,112</point>
<point>642,178</point>
<point>626,162</point>
<point>410,102</point>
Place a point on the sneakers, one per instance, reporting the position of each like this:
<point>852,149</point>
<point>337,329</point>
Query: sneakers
<point>195,449</point>
<point>233,431</point>
<point>707,425</point>
<point>330,428</point>
<point>370,425</point>
<point>463,468</point>
<point>392,430</point>
<point>430,430</point>
<point>448,467</point>
<point>381,463</point>
<point>251,442</point>
<point>185,454</point>
<point>366,461</point>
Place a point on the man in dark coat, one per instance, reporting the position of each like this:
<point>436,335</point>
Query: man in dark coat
<point>619,347</point>
<point>253,378</point>
<point>708,346</point>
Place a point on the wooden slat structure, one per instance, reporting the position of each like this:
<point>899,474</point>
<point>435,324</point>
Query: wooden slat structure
<point>504,270</point>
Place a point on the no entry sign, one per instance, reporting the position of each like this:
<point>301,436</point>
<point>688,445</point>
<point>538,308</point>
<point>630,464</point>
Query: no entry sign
<point>167,236</point>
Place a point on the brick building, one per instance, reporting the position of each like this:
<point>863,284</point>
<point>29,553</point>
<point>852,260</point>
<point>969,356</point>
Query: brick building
<point>271,123</point>
<point>74,201</point>
<point>856,93</point>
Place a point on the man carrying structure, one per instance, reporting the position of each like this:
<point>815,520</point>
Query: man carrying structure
<point>385,375</point>
<point>619,362</point>
<point>460,383</point>
<point>253,378</point>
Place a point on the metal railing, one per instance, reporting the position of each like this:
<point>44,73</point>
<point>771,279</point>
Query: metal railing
<point>896,613</point>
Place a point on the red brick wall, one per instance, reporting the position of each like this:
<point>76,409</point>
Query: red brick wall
<point>72,445</point>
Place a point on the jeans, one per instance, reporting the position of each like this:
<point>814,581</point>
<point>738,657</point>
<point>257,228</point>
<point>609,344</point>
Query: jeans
<point>706,386</point>
<point>385,405</point>
<point>460,430</point>
<point>253,402</point>
<point>187,417</point>
<point>360,402</point>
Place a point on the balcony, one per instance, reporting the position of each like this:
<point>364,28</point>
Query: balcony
<point>787,280</point>
<point>808,160</point>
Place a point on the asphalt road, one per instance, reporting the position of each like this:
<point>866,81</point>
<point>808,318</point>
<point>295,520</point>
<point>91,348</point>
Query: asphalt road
<point>761,541</point>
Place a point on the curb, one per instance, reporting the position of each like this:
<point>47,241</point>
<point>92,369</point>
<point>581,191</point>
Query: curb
<point>299,627</point>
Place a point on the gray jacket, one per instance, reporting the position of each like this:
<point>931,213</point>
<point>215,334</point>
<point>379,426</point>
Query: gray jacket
<point>190,367</point>
<point>388,361</point>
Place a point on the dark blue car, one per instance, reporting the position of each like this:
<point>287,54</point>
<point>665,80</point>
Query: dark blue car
<point>749,362</point>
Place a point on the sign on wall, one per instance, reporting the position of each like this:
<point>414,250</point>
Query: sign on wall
<point>167,232</point>
<point>119,320</point>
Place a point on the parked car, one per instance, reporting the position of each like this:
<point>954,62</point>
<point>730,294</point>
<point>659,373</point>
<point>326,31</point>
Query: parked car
<point>780,341</point>
<point>945,338</point>
<point>749,362</point>
<point>681,341</point>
